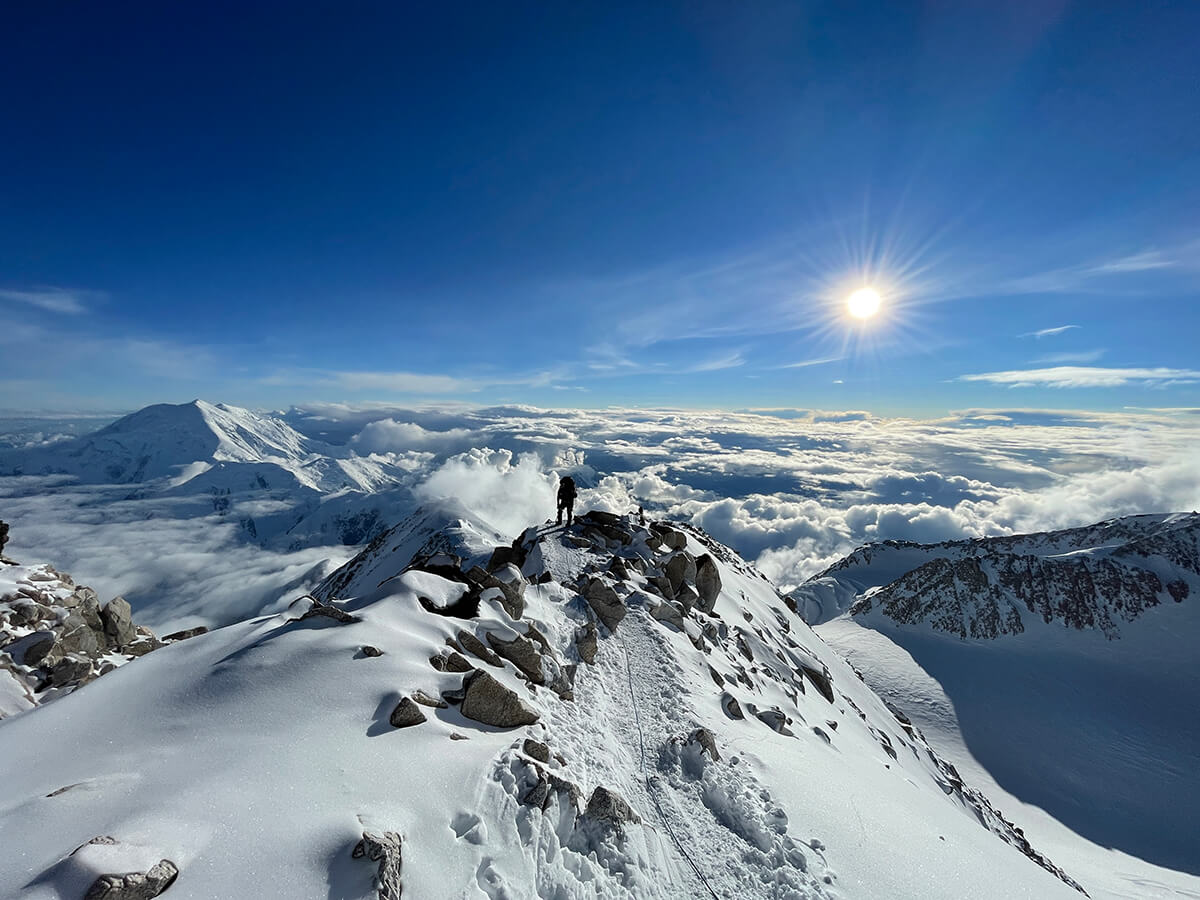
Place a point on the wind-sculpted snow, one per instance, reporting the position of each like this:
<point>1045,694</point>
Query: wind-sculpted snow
<point>400,739</point>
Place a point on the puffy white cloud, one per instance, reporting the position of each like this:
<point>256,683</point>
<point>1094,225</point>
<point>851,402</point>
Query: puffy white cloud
<point>389,436</point>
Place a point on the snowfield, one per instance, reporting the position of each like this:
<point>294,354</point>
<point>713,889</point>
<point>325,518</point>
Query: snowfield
<point>255,758</point>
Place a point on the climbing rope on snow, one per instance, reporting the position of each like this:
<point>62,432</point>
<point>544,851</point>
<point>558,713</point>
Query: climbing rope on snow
<point>637,719</point>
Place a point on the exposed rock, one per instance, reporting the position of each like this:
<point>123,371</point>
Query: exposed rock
<point>368,650</point>
<point>708,582</point>
<point>425,699</point>
<point>820,680</point>
<point>687,597</point>
<point>522,653</point>
<point>185,634</point>
<point>117,617</point>
<point>707,742</point>
<point>731,707</point>
<point>681,569</point>
<point>669,611</point>
<point>32,649</point>
<point>587,643</point>
<point>134,885</point>
<point>488,701</point>
<point>329,612</point>
<point>775,720</point>
<point>607,806</point>
<point>604,600</point>
<point>537,750</point>
<point>456,662</point>
<point>476,647</point>
<point>406,713</point>
<point>77,637</point>
<point>384,849</point>
<point>72,669</point>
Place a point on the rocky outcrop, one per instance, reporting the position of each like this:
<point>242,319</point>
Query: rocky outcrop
<point>406,714</point>
<point>385,850</point>
<point>134,885</point>
<point>55,636</point>
<point>488,701</point>
<point>605,602</point>
<point>610,807</point>
<point>708,583</point>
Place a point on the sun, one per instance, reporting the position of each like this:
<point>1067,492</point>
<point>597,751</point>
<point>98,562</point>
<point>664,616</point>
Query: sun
<point>863,303</point>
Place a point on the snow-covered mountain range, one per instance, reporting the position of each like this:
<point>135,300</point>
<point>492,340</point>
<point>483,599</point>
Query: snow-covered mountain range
<point>608,710</point>
<point>287,490</point>
<point>1061,665</point>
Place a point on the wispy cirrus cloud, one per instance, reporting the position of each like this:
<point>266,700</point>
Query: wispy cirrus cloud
<point>1049,332</point>
<point>1082,356</point>
<point>806,363</point>
<point>1086,377</point>
<point>51,299</point>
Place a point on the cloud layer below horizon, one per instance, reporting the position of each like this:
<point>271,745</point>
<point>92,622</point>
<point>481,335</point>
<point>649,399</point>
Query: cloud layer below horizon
<point>791,490</point>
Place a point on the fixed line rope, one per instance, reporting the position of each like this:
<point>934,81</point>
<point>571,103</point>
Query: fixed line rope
<point>649,786</point>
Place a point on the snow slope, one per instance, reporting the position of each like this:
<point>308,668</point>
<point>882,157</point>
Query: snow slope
<point>1059,667</point>
<point>256,757</point>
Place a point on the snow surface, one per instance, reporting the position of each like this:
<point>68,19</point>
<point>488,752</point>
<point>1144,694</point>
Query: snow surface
<point>255,756</point>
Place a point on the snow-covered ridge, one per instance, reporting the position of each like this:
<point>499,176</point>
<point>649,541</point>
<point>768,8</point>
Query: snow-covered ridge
<point>610,710</point>
<point>206,446</point>
<point>1098,577</point>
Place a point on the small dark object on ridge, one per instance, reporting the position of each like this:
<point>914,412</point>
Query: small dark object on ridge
<point>566,499</point>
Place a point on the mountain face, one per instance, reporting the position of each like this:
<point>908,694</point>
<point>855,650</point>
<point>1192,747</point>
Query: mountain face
<point>607,710</point>
<point>1061,664</point>
<point>1099,577</point>
<point>285,490</point>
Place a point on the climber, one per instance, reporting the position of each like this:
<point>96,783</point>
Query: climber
<point>566,499</point>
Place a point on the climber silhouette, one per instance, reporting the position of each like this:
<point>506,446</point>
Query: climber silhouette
<point>566,499</point>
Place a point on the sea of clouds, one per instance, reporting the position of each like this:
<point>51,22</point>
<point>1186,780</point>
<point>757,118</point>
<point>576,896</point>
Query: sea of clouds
<point>791,490</point>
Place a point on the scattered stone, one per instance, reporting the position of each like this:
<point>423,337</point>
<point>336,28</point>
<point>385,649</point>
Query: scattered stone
<point>31,650</point>
<point>419,696</point>
<point>368,650</point>
<point>731,707</point>
<point>185,634</point>
<point>476,647</point>
<point>72,669</point>
<point>455,736</point>
<point>329,612</point>
<point>775,720</point>
<point>708,582</point>
<point>117,617</point>
<point>820,680</point>
<point>406,714</point>
<point>456,662</point>
<point>607,806</point>
<point>536,750</point>
<point>681,569</point>
<point>522,653</point>
<point>488,701</point>
<point>587,642</point>
<point>669,611</point>
<point>134,885</point>
<point>707,742</point>
<point>687,597</point>
<point>384,849</point>
<point>604,600</point>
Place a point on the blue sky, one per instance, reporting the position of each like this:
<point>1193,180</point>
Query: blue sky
<point>593,204</point>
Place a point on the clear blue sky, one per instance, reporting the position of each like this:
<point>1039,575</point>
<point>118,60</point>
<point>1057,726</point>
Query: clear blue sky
<point>588,204</point>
